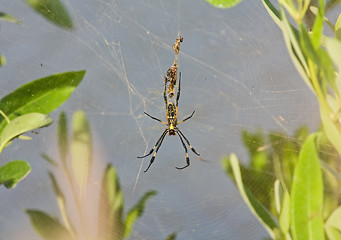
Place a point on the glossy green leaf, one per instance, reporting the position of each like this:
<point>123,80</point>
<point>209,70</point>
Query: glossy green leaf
<point>110,221</point>
<point>48,227</point>
<point>81,150</point>
<point>223,3</point>
<point>258,210</point>
<point>42,95</point>
<point>9,18</point>
<point>13,172</point>
<point>136,212</point>
<point>333,225</point>
<point>307,194</point>
<point>23,124</point>
<point>61,203</point>
<point>63,137</point>
<point>52,10</point>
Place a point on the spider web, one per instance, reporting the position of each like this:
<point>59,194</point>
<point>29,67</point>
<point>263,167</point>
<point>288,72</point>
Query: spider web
<point>236,75</point>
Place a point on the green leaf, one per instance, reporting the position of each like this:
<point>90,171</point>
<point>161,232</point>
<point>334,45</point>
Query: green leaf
<point>62,137</point>
<point>333,225</point>
<point>136,212</point>
<point>318,26</point>
<point>258,210</point>
<point>292,42</point>
<point>13,172</point>
<point>52,10</point>
<point>61,203</point>
<point>319,56</point>
<point>223,3</point>
<point>81,150</point>
<point>42,95</point>
<point>273,12</point>
<point>110,222</point>
<point>23,124</point>
<point>9,18</point>
<point>307,194</point>
<point>48,227</point>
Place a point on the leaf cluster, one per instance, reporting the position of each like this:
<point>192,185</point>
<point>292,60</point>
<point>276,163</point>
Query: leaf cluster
<point>299,177</point>
<point>26,109</point>
<point>112,224</point>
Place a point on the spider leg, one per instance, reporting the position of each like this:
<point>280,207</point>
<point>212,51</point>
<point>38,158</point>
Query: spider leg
<point>155,118</point>
<point>193,150</point>
<point>187,118</point>
<point>157,149</point>
<point>187,158</point>
<point>165,93</point>
<point>178,94</point>
<point>158,141</point>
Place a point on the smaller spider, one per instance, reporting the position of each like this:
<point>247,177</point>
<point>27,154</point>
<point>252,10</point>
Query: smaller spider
<point>172,128</point>
<point>171,78</point>
<point>176,45</point>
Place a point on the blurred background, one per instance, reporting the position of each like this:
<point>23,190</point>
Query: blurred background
<point>236,75</point>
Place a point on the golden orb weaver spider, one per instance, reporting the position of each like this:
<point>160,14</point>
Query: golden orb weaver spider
<point>172,129</point>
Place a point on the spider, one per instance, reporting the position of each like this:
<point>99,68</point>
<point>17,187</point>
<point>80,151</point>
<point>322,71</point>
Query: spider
<point>172,129</point>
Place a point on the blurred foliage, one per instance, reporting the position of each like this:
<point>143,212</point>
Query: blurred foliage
<point>111,221</point>
<point>292,184</point>
<point>284,177</point>
<point>269,154</point>
<point>25,109</point>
